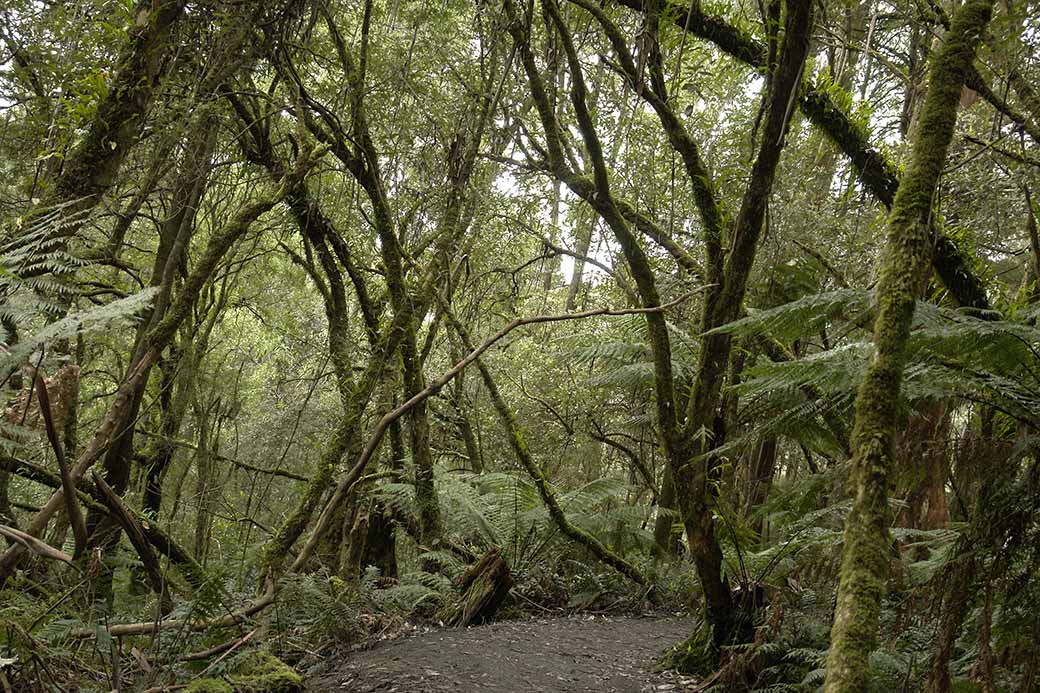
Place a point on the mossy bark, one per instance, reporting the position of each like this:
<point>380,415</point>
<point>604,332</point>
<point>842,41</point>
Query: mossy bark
<point>695,476</point>
<point>666,536</point>
<point>484,586</point>
<point>866,553</point>
<point>91,167</point>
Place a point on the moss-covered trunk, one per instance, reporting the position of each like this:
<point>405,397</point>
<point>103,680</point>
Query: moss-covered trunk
<point>92,165</point>
<point>419,441</point>
<point>695,481</point>
<point>905,261</point>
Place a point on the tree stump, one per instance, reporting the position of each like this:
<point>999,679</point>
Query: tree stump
<point>484,587</point>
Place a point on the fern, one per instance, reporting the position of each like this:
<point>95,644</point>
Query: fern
<point>93,320</point>
<point>952,355</point>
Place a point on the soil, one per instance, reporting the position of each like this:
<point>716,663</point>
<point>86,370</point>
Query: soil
<point>566,654</point>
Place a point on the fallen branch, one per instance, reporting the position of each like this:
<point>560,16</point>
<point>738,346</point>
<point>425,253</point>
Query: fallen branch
<point>91,499</point>
<point>239,643</point>
<point>135,532</point>
<point>72,509</point>
<point>216,649</point>
<point>149,627</point>
<point>35,545</point>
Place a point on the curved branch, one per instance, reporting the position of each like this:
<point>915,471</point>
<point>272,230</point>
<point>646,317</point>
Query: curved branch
<point>342,489</point>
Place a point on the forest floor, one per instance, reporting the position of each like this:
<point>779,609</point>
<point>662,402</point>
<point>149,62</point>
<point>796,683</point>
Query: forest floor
<point>565,655</point>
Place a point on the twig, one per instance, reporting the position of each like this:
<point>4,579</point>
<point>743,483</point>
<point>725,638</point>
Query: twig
<point>237,644</point>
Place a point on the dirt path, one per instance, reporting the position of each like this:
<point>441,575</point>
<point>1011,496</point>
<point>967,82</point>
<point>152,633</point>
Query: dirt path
<point>566,655</point>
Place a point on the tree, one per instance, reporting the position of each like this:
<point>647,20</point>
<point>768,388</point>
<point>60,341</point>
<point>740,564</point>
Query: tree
<point>865,555</point>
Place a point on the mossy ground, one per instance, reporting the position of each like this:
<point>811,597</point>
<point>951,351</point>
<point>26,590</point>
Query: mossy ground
<point>209,686</point>
<point>697,655</point>
<point>264,673</point>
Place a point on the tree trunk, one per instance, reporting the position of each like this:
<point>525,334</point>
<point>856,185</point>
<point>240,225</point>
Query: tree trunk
<point>419,440</point>
<point>381,542</point>
<point>666,537</point>
<point>867,551</point>
<point>92,165</point>
<point>694,482</point>
<point>485,585</point>
<point>954,609</point>
<point>761,468</point>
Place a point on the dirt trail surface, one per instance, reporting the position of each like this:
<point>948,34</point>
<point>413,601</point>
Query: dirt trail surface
<point>569,654</point>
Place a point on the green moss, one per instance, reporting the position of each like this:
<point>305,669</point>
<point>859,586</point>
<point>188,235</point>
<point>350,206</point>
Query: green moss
<point>264,673</point>
<point>209,686</point>
<point>697,655</point>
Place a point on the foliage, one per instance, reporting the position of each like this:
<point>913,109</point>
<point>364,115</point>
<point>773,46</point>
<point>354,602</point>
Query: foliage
<point>451,173</point>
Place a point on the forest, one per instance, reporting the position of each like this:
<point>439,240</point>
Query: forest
<point>509,345</point>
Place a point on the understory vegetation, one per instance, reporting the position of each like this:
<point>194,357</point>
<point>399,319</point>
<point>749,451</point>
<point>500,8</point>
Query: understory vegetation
<point>327,321</point>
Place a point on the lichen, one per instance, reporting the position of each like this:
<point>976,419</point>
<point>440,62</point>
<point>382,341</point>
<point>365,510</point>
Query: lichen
<point>262,672</point>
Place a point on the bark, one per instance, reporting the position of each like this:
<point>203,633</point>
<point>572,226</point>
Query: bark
<point>469,441</point>
<point>7,516</point>
<point>666,538</point>
<point>430,529</point>
<point>866,552</point>
<point>355,539</point>
<point>72,509</point>
<point>986,663</point>
<point>380,542</point>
